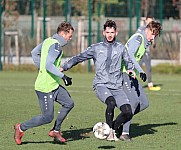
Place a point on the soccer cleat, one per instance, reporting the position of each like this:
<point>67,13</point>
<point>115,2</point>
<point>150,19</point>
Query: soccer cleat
<point>154,88</point>
<point>57,136</point>
<point>112,136</point>
<point>125,137</point>
<point>115,137</point>
<point>18,134</point>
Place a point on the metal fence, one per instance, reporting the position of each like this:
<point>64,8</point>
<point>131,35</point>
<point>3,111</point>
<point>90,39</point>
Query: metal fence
<point>41,18</point>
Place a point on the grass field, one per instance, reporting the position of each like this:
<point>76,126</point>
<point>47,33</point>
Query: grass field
<point>158,127</point>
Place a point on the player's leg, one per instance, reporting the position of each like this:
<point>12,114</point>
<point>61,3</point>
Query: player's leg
<point>47,107</point>
<point>105,96</point>
<point>126,112</point>
<point>62,97</point>
<point>148,69</point>
<point>111,104</point>
<point>144,103</point>
<point>46,102</point>
<point>131,92</point>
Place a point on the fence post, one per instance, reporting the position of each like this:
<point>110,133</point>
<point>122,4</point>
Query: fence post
<point>1,68</point>
<point>98,21</point>
<point>32,18</point>
<point>130,17</point>
<point>137,13</point>
<point>90,29</point>
<point>67,11</point>
<point>161,11</point>
<point>44,19</point>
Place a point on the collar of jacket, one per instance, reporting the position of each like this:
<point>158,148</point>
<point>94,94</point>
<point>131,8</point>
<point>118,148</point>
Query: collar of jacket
<point>60,39</point>
<point>109,44</point>
<point>144,35</point>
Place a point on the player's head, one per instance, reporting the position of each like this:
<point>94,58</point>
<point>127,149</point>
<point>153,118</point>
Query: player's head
<point>66,30</point>
<point>148,19</point>
<point>152,30</point>
<point>110,30</point>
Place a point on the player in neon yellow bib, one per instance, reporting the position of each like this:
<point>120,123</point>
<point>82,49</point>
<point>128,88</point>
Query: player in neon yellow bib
<point>136,46</point>
<point>47,57</point>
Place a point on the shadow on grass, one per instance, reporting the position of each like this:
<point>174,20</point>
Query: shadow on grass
<point>77,134</point>
<point>42,142</point>
<point>137,130</point>
<point>70,135</point>
<point>106,147</point>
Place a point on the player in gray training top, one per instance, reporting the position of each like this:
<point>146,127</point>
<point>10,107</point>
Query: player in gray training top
<point>136,46</point>
<point>107,56</point>
<point>47,57</point>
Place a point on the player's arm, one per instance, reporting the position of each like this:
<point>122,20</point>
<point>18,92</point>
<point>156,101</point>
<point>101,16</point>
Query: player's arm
<point>35,53</point>
<point>133,46</point>
<point>54,52</point>
<point>129,64</point>
<point>83,56</point>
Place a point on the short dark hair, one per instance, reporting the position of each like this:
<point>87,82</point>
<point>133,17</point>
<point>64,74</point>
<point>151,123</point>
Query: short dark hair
<point>149,17</point>
<point>111,24</point>
<point>155,27</point>
<point>65,26</point>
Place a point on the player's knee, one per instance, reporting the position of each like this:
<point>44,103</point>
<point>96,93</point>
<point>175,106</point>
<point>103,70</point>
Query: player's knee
<point>127,111</point>
<point>147,104</point>
<point>47,119</point>
<point>144,105</point>
<point>70,105</point>
<point>111,103</point>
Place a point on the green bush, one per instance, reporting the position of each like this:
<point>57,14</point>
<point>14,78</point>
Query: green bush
<point>32,68</point>
<point>167,69</point>
<point>160,68</point>
<point>22,67</point>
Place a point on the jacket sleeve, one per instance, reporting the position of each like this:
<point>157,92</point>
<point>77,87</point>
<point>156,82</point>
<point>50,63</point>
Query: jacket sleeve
<point>127,60</point>
<point>83,56</point>
<point>35,53</point>
<point>54,52</point>
<point>133,46</point>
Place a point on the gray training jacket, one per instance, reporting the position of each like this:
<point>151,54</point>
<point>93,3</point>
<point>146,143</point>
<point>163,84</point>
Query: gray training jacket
<point>107,71</point>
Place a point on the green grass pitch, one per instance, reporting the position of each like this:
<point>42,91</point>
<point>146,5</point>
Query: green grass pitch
<point>158,127</point>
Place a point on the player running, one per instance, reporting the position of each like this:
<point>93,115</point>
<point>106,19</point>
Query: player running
<point>47,57</point>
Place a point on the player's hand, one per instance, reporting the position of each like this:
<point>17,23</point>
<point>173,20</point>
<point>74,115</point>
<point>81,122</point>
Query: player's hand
<point>131,73</point>
<point>143,76</point>
<point>67,80</point>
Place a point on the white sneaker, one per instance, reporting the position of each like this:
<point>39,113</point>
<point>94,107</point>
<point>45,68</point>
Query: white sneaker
<point>150,84</point>
<point>115,137</point>
<point>112,136</point>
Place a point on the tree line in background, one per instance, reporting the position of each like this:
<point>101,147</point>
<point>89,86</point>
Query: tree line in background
<point>109,8</point>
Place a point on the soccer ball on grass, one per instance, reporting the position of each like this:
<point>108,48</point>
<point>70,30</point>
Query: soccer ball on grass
<point>101,130</point>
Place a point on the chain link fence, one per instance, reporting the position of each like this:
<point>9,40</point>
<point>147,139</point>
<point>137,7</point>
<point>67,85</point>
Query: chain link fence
<point>26,17</point>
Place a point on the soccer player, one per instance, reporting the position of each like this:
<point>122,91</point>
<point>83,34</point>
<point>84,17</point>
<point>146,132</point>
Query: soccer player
<point>147,58</point>
<point>107,56</point>
<point>47,57</point>
<point>136,46</point>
